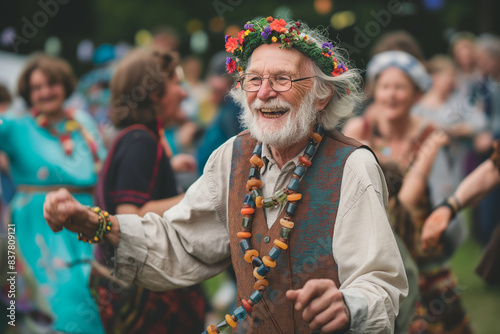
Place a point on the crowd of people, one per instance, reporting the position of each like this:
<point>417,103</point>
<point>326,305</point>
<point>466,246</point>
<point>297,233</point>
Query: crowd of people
<point>134,135</point>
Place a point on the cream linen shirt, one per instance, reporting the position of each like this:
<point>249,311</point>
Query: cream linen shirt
<point>190,243</point>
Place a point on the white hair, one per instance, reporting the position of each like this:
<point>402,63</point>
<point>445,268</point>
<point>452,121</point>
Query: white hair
<point>345,90</point>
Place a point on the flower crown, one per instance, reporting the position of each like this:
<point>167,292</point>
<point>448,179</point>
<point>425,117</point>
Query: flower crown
<point>269,30</point>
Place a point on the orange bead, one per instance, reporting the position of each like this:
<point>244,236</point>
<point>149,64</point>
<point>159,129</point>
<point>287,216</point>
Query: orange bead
<point>317,137</point>
<point>280,244</point>
<point>286,223</point>
<point>212,329</point>
<point>256,275</point>
<point>253,183</point>
<point>294,197</point>
<point>259,283</point>
<point>256,161</point>
<point>247,211</point>
<point>305,161</point>
<point>230,321</point>
<point>249,254</point>
<point>268,261</point>
<point>259,201</point>
<point>244,235</point>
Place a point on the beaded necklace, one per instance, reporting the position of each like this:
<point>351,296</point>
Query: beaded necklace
<point>70,126</point>
<point>254,198</point>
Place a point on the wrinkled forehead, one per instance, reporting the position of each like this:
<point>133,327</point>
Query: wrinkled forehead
<point>270,59</point>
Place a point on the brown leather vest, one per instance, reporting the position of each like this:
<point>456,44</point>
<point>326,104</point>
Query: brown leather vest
<point>309,255</point>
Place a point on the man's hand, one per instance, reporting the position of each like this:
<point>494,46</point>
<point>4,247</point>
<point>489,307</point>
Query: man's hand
<point>323,306</point>
<point>61,210</point>
<point>434,227</point>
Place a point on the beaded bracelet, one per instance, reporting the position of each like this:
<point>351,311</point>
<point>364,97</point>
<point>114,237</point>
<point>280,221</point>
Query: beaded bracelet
<point>102,230</point>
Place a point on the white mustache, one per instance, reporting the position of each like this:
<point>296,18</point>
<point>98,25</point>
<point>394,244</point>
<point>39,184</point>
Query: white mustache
<point>273,104</point>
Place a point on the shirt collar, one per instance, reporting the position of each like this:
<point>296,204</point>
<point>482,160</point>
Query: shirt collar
<point>269,161</point>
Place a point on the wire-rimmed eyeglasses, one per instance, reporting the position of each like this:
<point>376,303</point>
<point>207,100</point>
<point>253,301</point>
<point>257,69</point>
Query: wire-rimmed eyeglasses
<point>279,82</point>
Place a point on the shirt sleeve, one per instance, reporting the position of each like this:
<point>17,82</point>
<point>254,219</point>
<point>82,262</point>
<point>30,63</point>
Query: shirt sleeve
<point>133,169</point>
<point>189,244</point>
<point>371,272</point>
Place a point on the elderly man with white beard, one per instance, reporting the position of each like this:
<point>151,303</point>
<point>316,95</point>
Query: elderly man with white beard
<point>298,208</point>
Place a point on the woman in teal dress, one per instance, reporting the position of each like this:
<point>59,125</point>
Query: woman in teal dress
<point>49,148</point>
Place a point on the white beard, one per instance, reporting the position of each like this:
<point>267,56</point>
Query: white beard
<point>286,130</point>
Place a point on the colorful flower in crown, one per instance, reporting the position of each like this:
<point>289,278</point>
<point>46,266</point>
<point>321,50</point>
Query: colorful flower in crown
<point>266,32</point>
<point>278,25</point>
<point>241,36</point>
<point>230,65</point>
<point>231,44</point>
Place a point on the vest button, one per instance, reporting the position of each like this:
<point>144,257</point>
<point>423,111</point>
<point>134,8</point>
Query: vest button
<point>257,321</point>
<point>267,239</point>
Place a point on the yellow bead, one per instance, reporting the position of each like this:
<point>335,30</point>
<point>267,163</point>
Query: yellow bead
<point>259,201</point>
<point>256,275</point>
<point>254,183</point>
<point>256,161</point>
<point>294,197</point>
<point>108,228</point>
<point>230,321</point>
<point>286,223</point>
<point>269,261</point>
<point>212,329</point>
<point>249,254</point>
<point>96,239</point>
<point>259,283</point>
<point>280,244</point>
<point>244,235</point>
<point>317,137</point>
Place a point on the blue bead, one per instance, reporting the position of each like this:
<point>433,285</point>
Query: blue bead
<point>253,173</point>
<point>291,208</point>
<point>248,200</point>
<point>263,270</point>
<point>258,150</point>
<point>245,245</point>
<point>223,325</point>
<point>294,184</point>
<point>240,313</point>
<point>257,261</point>
<point>274,253</point>
<point>299,171</point>
<point>319,129</point>
<point>256,296</point>
<point>310,150</point>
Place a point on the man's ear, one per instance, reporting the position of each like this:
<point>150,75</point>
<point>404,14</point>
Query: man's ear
<point>321,104</point>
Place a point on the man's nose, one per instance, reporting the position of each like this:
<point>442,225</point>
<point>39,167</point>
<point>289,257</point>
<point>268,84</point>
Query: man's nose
<point>266,92</point>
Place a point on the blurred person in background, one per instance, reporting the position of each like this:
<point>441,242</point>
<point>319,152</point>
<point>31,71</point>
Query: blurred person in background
<point>226,123</point>
<point>137,178</point>
<point>463,51</point>
<point>399,40</point>
<point>398,137</point>
<point>487,95</point>
<point>196,88</point>
<point>50,147</point>
<point>449,110</point>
